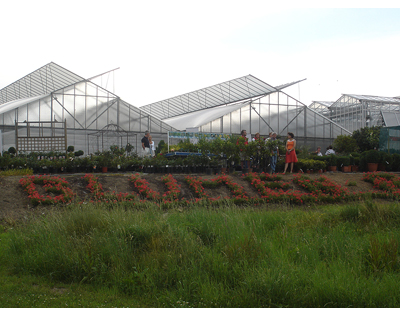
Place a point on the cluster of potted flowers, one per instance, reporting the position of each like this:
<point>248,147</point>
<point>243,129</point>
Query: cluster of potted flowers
<point>55,185</point>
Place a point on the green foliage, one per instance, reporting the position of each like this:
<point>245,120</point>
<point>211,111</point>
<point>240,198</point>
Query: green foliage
<point>342,161</point>
<point>372,156</point>
<point>129,148</point>
<point>79,153</point>
<point>311,164</point>
<point>332,161</point>
<point>70,149</point>
<point>162,147</point>
<point>396,162</point>
<point>367,138</point>
<point>345,144</point>
<point>386,159</point>
<point>226,257</point>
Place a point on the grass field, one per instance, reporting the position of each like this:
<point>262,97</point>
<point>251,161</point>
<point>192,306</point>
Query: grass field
<point>230,256</point>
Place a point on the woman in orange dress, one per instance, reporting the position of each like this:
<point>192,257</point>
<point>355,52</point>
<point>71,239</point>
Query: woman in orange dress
<point>291,157</point>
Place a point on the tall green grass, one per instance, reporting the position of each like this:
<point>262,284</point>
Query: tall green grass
<point>344,256</point>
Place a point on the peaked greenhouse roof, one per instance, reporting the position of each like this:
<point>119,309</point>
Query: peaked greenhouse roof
<point>42,81</point>
<point>374,98</point>
<point>220,94</point>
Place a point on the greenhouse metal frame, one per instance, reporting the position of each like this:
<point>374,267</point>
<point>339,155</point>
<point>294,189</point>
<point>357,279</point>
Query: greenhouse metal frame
<point>357,111</point>
<point>53,93</point>
<point>85,106</point>
<point>271,110</point>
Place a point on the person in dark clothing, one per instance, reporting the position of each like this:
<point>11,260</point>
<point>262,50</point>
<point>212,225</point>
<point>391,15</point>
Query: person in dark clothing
<point>146,144</point>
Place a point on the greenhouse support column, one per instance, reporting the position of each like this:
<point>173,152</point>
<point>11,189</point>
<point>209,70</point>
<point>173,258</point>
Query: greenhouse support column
<point>16,136</point>
<point>65,135</point>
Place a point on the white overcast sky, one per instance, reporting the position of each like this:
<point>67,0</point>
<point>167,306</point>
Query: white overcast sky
<point>167,48</point>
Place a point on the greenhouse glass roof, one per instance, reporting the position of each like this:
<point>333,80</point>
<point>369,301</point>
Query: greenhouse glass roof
<point>17,103</point>
<point>44,80</point>
<point>391,118</point>
<point>325,103</point>
<point>283,86</point>
<point>374,98</point>
<point>224,93</point>
<point>198,118</point>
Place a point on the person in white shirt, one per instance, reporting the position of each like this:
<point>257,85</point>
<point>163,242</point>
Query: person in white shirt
<point>152,147</point>
<point>330,151</point>
<point>318,152</point>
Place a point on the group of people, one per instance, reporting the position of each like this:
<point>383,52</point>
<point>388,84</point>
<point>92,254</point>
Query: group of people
<point>290,158</point>
<point>148,146</point>
<point>329,151</point>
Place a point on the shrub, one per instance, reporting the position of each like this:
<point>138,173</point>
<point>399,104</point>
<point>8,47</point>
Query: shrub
<point>367,138</point>
<point>343,161</point>
<point>78,153</point>
<point>386,159</point>
<point>396,162</point>
<point>344,144</point>
<point>332,161</point>
<point>372,156</point>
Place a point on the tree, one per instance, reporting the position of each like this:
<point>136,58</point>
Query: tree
<point>367,138</point>
<point>345,144</point>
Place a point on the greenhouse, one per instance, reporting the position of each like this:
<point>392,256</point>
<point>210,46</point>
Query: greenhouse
<point>52,108</point>
<point>250,104</point>
<point>50,95</point>
<point>357,111</point>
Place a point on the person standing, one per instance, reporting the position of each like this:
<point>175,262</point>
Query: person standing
<point>274,153</point>
<point>152,146</point>
<point>291,157</point>
<point>146,144</point>
<point>243,161</point>
<point>258,154</point>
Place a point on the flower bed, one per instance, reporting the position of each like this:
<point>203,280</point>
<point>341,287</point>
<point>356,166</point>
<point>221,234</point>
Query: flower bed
<point>55,185</point>
<point>271,190</point>
<point>173,188</point>
<point>100,196</point>
<point>198,184</point>
<point>143,188</point>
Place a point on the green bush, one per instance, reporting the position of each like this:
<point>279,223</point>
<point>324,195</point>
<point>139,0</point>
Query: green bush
<point>367,138</point>
<point>344,144</point>
<point>332,161</point>
<point>386,159</point>
<point>396,162</point>
<point>342,161</point>
<point>372,156</point>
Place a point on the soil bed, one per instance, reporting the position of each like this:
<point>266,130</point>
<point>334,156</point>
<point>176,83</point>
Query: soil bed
<point>15,206</point>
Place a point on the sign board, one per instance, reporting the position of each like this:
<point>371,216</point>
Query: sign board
<point>191,135</point>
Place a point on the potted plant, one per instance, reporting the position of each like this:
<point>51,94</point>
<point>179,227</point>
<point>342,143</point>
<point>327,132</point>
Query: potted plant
<point>332,163</point>
<point>43,163</point>
<point>354,161</point>
<point>385,161</point>
<point>372,158</point>
<point>344,163</point>
<point>319,165</point>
